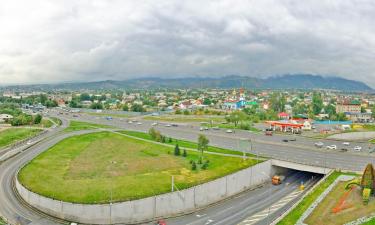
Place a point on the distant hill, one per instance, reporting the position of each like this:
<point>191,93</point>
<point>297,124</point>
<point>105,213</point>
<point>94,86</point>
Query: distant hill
<point>296,81</point>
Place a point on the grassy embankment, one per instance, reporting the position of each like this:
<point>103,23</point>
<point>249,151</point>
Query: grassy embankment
<point>12,135</point>
<point>297,212</point>
<point>185,144</point>
<point>87,168</point>
<point>79,125</point>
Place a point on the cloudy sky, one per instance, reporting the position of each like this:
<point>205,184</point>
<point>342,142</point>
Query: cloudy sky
<point>43,41</point>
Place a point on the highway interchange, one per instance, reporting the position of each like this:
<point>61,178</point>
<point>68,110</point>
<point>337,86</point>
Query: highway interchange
<point>236,209</point>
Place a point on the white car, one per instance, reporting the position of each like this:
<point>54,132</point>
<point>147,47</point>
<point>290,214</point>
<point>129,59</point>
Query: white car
<point>229,131</point>
<point>201,129</point>
<point>357,148</point>
<point>331,147</point>
<point>139,123</point>
<point>130,121</point>
<point>346,143</point>
<point>319,144</point>
<point>168,125</point>
<point>154,124</point>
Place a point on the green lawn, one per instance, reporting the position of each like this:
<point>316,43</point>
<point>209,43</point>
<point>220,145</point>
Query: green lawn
<point>297,212</point>
<point>79,125</point>
<point>12,135</point>
<point>184,144</point>
<point>370,222</point>
<point>79,169</point>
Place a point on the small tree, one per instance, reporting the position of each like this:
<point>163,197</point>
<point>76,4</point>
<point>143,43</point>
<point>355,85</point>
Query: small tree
<point>37,119</point>
<point>193,166</point>
<point>176,150</point>
<point>184,154</point>
<point>152,133</point>
<point>202,144</point>
<point>205,165</point>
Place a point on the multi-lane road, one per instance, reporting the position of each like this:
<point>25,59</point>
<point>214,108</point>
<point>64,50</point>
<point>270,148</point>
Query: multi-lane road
<point>232,211</point>
<point>301,151</point>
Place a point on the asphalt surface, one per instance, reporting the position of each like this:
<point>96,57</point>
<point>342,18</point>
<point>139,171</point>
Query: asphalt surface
<point>236,209</point>
<point>231,211</point>
<point>301,151</point>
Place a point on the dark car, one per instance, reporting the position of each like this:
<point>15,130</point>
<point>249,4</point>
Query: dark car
<point>292,139</point>
<point>285,140</point>
<point>343,150</point>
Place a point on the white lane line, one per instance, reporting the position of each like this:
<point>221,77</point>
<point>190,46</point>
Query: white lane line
<point>274,207</point>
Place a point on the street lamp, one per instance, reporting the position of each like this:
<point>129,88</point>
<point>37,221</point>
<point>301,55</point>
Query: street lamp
<point>111,196</point>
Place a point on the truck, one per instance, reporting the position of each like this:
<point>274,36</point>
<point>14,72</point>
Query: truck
<point>277,179</point>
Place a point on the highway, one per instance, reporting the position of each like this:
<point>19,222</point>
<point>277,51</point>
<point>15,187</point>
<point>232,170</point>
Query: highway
<point>237,209</point>
<point>231,211</point>
<point>301,151</point>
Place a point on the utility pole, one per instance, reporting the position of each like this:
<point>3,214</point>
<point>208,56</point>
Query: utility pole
<point>172,183</point>
<point>111,195</point>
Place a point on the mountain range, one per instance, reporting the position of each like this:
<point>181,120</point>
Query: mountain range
<point>295,81</point>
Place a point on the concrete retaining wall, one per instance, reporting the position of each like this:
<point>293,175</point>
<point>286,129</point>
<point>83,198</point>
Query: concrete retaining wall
<point>165,205</point>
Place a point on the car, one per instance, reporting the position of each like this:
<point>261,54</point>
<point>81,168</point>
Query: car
<point>229,131</point>
<point>268,133</point>
<point>154,124</point>
<point>343,149</point>
<point>357,148</point>
<point>371,150</point>
<point>293,139</point>
<point>168,125</point>
<point>201,129</point>
<point>346,143</point>
<point>216,128</point>
<point>139,123</point>
<point>130,121</point>
<point>161,222</point>
<point>285,140</point>
<point>75,115</point>
<point>29,142</point>
<point>331,147</point>
<point>108,118</point>
<point>174,125</point>
<point>319,144</point>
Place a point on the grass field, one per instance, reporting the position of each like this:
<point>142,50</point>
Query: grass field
<point>12,135</point>
<point>323,215</point>
<point>184,144</point>
<point>80,169</point>
<point>79,125</point>
<point>297,212</point>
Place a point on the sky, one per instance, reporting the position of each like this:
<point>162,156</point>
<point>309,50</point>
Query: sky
<point>43,41</point>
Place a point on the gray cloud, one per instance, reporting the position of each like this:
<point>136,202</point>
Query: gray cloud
<point>53,41</point>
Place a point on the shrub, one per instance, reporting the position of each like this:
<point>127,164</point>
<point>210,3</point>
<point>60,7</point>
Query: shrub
<point>176,150</point>
<point>37,119</point>
<point>193,166</point>
<point>184,154</point>
<point>205,165</point>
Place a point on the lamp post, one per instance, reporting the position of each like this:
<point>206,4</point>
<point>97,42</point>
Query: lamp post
<point>111,195</point>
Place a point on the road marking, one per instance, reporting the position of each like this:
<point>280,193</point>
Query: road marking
<point>274,207</point>
<point>200,215</point>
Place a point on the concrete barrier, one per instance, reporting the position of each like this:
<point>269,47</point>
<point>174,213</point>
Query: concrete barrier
<point>160,206</point>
